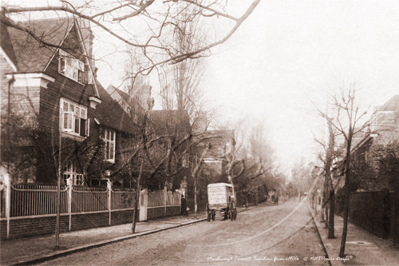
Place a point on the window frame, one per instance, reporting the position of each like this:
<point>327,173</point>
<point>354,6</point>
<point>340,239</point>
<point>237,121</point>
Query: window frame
<point>77,174</point>
<point>71,67</point>
<point>68,118</point>
<point>110,144</point>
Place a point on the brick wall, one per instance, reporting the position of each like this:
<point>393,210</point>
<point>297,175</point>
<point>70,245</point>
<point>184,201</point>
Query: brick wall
<point>157,212</point>
<point>45,225</point>
<point>123,217</point>
<point>373,211</point>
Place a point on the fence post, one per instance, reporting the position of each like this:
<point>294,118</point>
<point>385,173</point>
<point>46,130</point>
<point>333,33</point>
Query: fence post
<point>7,183</point>
<point>165,195</point>
<point>70,187</point>
<point>109,188</point>
<point>143,202</point>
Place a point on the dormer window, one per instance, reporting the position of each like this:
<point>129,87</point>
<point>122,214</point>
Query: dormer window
<point>71,67</point>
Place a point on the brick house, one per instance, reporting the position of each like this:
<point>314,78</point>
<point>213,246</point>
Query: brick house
<point>160,123</point>
<point>54,95</point>
<point>382,130</point>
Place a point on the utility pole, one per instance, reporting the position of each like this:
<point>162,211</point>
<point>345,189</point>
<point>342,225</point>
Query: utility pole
<point>58,202</point>
<point>8,123</point>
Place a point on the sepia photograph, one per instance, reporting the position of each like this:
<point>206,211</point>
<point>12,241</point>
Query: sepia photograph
<point>199,132</point>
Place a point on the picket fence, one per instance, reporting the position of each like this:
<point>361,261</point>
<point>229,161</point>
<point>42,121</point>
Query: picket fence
<point>31,201</point>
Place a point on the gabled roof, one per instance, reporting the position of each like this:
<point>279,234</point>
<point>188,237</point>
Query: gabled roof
<point>31,56</point>
<point>170,121</point>
<point>111,114</point>
<point>391,105</point>
<point>131,101</point>
<point>6,44</point>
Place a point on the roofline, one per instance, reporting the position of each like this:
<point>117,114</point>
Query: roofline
<point>85,51</point>
<point>31,79</point>
<point>364,140</point>
<point>56,50</point>
<point>220,184</point>
<point>13,66</point>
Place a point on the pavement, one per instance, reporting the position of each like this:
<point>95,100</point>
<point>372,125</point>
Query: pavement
<point>33,250</point>
<point>361,248</point>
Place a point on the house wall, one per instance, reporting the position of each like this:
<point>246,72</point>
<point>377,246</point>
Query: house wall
<point>50,111</point>
<point>4,69</point>
<point>24,100</point>
<point>361,154</point>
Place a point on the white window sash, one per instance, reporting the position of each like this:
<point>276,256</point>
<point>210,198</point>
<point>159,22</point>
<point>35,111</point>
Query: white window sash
<point>68,118</point>
<point>109,145</point>
<point>87,127</point>
<point>71,120</point>
<point>71,65</point>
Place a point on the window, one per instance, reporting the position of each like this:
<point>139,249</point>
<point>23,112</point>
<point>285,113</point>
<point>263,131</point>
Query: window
<point>74,118</point>
<point>109,137</point>
<point>185,160</point>
<point>71,67</point>
<point>72,170</point>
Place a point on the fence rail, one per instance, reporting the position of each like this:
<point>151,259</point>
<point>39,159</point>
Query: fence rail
<point>2,203</point>
<point>89,201</point>
<point>36,202</point>
<point>122,199</point>
<point>156,198</point>
<point>31,200</point>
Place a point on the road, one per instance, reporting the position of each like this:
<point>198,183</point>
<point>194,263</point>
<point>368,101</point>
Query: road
<point>267,235</point>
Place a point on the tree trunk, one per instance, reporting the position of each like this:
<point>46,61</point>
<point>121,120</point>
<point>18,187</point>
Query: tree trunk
<point>325,199</point>
<point>331,216</point>
<point>195,197</point>
<point>395,236</point>
<point>329,183</point>
<point>136,202</point>
<point>346,187</point>
<point>256,197</point>
<point>299,194</point>
<point>345,228</point>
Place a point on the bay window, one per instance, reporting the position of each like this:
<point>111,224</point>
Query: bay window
<point>109,137</point>
<point>74,118</point>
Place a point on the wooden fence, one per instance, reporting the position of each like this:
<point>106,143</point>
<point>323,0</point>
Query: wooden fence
<point>374,211</point>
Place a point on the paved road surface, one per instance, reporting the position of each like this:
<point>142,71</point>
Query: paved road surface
<point>269,235</point>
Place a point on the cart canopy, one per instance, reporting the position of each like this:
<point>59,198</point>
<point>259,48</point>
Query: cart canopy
<point>220,194</point>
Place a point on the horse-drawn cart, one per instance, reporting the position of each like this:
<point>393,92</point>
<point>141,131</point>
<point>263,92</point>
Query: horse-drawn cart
<point>221,198</point>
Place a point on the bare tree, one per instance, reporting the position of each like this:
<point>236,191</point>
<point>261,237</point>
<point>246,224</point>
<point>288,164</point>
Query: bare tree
<point>119,19</point>
<point>260,161</point>
<point>328,188</point>
<point>347,116</point>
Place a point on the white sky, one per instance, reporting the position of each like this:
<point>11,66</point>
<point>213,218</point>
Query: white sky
<point>288,51</point>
